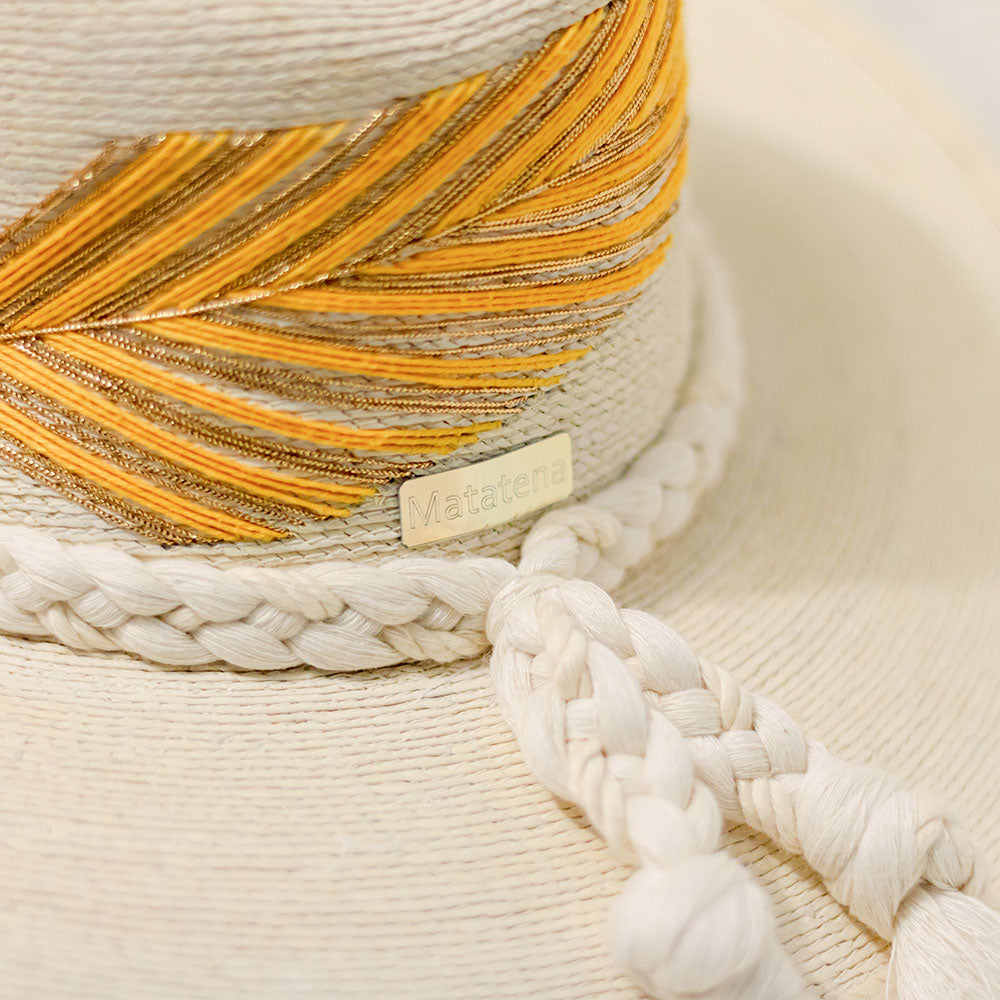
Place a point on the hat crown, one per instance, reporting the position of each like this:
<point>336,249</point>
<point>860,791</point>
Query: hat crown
<point>77,74</point>
<point>233,336</point>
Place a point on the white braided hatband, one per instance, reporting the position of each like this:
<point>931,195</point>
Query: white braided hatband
<point>346,616</point>
<point>611,708</point>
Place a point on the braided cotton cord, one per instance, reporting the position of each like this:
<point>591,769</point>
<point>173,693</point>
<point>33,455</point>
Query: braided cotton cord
<point>337,616</point>
<point>610,707</point>
<point>342,616</point>
<point>613,711</point>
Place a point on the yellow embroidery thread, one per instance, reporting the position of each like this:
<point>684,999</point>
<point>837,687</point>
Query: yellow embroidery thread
<point>161,313</point>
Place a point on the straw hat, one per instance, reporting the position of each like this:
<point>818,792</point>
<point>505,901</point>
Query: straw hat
<point>253,745</point>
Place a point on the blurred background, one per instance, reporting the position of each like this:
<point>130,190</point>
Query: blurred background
<point>954,43</point>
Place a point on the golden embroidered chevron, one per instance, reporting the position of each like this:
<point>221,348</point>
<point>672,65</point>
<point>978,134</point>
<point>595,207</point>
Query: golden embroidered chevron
<point>179,321</point>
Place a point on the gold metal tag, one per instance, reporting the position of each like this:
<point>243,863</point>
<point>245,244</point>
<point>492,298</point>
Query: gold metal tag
<point>448,504</point>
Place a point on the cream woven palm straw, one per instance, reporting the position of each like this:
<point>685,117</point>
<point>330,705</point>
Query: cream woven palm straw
<point>439,560</point>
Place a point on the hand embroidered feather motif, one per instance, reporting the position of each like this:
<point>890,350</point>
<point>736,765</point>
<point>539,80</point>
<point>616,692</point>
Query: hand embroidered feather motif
<point>173,318</point>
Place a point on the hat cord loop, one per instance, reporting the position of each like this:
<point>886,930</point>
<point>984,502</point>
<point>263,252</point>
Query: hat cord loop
<point>614,712</point>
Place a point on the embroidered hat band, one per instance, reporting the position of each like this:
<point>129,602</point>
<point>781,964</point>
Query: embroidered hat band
<point>521,208</point>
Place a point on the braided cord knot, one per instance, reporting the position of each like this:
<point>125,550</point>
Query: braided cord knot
<point>614,711</point>
<point>874,841</point>
<point>567,665</point>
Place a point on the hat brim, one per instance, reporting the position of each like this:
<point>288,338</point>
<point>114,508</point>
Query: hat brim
<point>210,833</point>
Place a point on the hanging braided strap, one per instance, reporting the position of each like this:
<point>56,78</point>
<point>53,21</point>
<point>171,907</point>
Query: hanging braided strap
<point>614,712</point>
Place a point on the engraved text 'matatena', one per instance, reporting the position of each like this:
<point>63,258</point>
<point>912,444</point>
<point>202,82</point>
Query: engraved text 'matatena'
<point>488,493</point>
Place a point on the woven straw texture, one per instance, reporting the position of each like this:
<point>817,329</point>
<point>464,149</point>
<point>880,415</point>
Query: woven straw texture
<point>225,64</point>
<point>204,834</point>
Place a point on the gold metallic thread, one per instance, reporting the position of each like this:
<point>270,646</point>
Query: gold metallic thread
<point>163,311</point>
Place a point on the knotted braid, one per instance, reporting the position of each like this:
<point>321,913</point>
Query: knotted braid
<point>614,711</point>
<point>691,921</point>
<point>181,612</point>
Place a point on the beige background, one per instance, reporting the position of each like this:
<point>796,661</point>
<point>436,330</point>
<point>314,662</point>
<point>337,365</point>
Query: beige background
<point>956,44</point>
